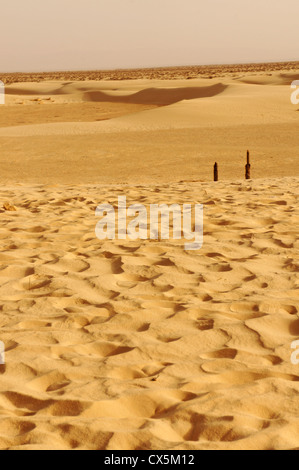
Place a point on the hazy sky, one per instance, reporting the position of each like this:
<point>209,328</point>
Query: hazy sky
<point>39,35</point>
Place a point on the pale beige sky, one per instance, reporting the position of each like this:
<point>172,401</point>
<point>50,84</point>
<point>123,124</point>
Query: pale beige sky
<point>46,35</point>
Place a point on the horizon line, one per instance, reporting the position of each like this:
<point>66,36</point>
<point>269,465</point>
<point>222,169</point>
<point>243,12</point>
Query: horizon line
<point>159,67</point>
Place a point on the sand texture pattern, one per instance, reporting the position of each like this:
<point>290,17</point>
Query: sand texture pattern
<point>142,345</point>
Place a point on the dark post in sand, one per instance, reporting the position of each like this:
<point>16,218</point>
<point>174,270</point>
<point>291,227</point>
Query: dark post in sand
<point>247,167</point>
<point>216,172</point>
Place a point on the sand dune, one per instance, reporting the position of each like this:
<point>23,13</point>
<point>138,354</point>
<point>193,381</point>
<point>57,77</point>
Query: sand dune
<point>147,130</point>
<point>158,96</point>
<point>128,345</point>
<point>156,108</point>
<point>143,345</point>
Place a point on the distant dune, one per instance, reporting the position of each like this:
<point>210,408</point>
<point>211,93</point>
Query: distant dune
<point>140,129</point>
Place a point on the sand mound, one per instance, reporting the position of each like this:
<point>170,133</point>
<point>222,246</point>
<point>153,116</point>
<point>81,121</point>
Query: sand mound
<point>158,96</point>
<point>45,88</point>
<point>277,78</point>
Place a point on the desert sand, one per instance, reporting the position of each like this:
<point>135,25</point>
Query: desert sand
<point>142,345</point>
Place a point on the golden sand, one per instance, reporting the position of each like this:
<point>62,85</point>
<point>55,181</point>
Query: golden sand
<point>143,345</point>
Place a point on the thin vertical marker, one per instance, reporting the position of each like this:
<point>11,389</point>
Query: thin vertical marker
<point>248,166</point>
<point>216,174</point>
